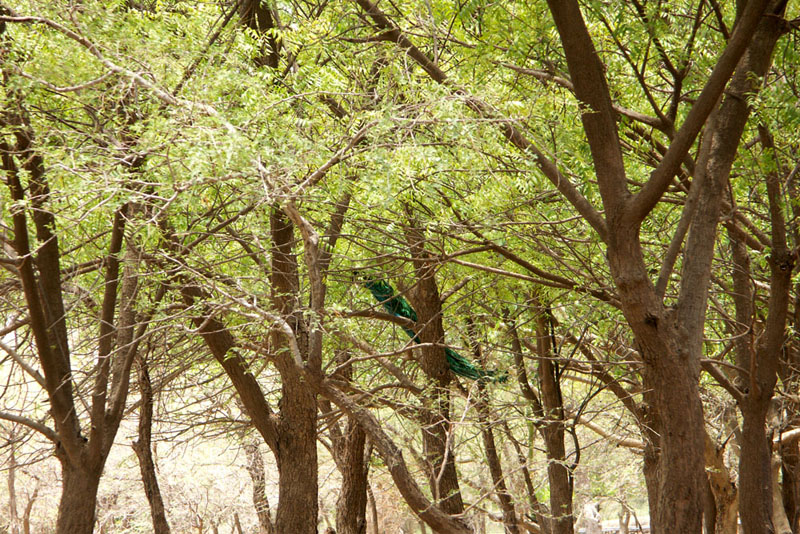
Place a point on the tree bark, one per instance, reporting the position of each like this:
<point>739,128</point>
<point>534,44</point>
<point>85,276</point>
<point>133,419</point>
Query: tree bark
<point>725,497</point>
<point>495,467</point>
<point>296,448</point>
<point>790,487</point>
<point>351,507</point>
<point>143,450</point>
<point>760,358</point>
<point>76,509</point>
<point>297,463</point>
<point>435,416</point>
<point>255,468</point>
<point>12,482</point>
<point>755,478</point>
<point>392,456</point>
<point>779,518</point>
<point>552,429</point>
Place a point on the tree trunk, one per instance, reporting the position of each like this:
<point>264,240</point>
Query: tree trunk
<point>26,516</point>
<point>681,466</point>
<point>438,452</point>
<point>435,416</point>
<point>255,468</point>
<point>351,507</point>
<point>373,510</point>
<point>142,448</point>
<point>723,491</point>
<point>650,469</point>
<point>297,458</point>
<point>559,474</point>
<point>495,467</point>
<point>755,472</point>
<point>779,518</point>
<point>12,486</point>
<point>790,475</point>
<point>77,508</point>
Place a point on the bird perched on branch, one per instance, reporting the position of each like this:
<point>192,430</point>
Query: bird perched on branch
<point>398,306</point>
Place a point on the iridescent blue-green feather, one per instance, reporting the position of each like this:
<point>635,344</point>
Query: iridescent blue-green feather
<point>399,307</point>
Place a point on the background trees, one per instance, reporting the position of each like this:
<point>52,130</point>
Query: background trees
<point>545,184</point>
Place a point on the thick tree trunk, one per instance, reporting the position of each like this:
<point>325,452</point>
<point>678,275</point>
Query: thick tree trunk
<point>351,507</point>
<point>755,472</point>
<point>296,447</point>
<point>77,508</point>
<point>297,457</point>
<point>142,448</point>
<point>435,417</point>
<point>681,465</point>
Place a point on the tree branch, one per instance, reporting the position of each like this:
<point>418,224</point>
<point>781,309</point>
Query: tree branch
<point>391,33</point>
<point>35,425</point>
<point>646,199</point>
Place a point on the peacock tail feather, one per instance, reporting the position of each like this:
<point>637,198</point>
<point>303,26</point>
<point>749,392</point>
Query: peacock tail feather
<point>400,307</point>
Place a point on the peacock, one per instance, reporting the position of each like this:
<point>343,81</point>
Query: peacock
<point>398,306</point>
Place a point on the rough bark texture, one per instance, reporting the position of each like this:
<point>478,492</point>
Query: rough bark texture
<point>724,494</point>
<point>495,467</point>
<point>760,358</point>
<point>76,509</point>
<point>297,459</point>
<point>142,448</point>
<point>258,476</point>
<point>435,417</point>
<point>351,507</point>
<point>779,518</point>
<point>296,450</point>
<point>552,430</point>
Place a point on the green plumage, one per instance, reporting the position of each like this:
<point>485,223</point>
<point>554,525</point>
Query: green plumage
<point>399,307</point>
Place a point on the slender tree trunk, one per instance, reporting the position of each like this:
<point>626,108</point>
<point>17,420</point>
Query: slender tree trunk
<point>77,507</point>
<point>142,448</point>
<point>26,516</point>
<point>255,468</point>
<point>790,475</point>
<point>779,518</point>
<point>495,467</point>
<point>373,510</point>
<point>438,451</point>
<point>537,509</point>
<point>724,495</point>
<point>351,507</point>
<point>552,430</point>
<point>435,416</point>
<point>12,482</point>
